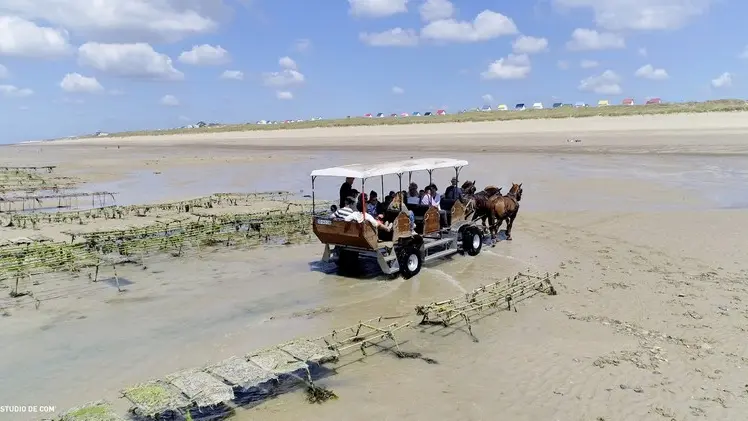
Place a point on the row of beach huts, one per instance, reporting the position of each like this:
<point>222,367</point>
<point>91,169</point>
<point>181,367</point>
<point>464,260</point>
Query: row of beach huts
<point>519,107</point>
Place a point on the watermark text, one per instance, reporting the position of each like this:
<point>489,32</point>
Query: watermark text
<point>27,409</point>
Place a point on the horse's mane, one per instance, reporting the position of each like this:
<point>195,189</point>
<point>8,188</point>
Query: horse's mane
<point>467,184</point>
<point>492,190</point>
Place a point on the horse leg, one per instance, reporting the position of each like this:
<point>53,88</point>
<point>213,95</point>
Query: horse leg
<point>509,223</point>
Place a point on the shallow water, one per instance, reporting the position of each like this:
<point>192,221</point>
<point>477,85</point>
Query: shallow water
<point>707,182</point>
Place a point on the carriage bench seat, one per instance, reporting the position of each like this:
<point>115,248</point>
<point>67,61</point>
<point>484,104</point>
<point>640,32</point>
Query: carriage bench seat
<point>447,204</point>
<point>418,210</point>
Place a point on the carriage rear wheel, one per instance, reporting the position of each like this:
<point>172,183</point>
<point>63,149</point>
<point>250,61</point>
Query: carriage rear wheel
<point>472,241</point>
<point>410,260</point>
<point>347,262</point>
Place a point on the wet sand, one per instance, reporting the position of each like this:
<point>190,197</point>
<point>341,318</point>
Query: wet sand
<point>649,323</point>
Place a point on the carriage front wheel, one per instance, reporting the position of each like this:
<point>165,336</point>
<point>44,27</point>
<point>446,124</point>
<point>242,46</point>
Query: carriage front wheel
<point>472,241</point>
<point>410,261</point>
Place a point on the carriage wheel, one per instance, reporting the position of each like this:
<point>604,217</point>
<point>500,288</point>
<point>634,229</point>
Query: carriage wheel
<point>347,262</point>
<point>410,260</point>
<point>472,241</point>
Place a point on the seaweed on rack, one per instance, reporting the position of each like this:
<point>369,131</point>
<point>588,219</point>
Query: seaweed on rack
<point>155,398</point>
<point>92,411</point>
<point>201,388</point>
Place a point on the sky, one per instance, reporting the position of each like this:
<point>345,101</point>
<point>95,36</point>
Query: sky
<point>70,67</point>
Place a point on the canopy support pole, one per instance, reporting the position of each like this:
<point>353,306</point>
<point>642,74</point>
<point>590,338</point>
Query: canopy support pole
<point>382,186</point>
<point>363,198</point>
<point>400,192</point>
<point>430,178</point>
<point>314,210</point>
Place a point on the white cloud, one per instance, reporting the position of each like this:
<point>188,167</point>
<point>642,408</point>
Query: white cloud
<point>138,60</point>
<point>642,52</point>
<point>232,74</point>
<point>722,81</point>
<point>511,67</point>
<point>398,90</point>
<point>487,98</point>
<point>285,77</point>
<point>487,25</point>
<point>11,91</point>
<point>75,82</point>
<point>562,64</point>
<point>589,39</point>
<point>302,45</point>
<point>644,15</point>
<point>124,20</point>
<point>649,72</point>
<point>744,53</point>
<point>169,101</point>
<point>588,64</point>
<point>529,45</point>
<point>377,8</point>
<point>284,95</point>
<point>23,38</point>
<point>608,83</point>
<point>205,55</point>
<point>432,10</point>
<point>287,63</point>
<point>4,72</point>
<point>116,92</point>
<point>396,37</point>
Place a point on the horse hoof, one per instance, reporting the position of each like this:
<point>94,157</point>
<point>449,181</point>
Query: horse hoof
<point>508,238</point>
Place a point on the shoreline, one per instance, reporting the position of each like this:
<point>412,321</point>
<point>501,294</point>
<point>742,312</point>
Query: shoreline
<point>674,124</point>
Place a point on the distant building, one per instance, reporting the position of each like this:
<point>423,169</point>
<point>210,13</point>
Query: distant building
<point>558,104</point>
<point>416,114</point>
<point>368,115</point>
<point>502,107</point>
<point>486,108</point>
<point>427,114</point>
<point>393,115</point>
<point>520,107</point>
<point>441,112</point>
<point>380,115</point>
<point>580,105</point>
<point>653,101</point>
<point>603,103</point>
<point>628,101</point>
<point>537,106</point>
<point>404,114</point>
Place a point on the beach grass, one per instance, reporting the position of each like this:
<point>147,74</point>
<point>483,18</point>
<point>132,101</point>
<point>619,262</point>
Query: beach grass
<point>729,105</point>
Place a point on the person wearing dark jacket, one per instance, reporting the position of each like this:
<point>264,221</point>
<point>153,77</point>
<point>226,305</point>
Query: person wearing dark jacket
<point>345,190</point>
<point>453,192</point>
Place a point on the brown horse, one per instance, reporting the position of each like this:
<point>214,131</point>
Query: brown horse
<point>506,208</point>
<point>478,204</point>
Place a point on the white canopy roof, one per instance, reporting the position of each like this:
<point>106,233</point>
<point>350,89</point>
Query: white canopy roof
<point>394,167</point>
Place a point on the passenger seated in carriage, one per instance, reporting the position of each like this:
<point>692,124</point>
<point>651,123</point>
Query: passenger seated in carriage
<point>413,197</point>
<point>347,214</point>
<point>436,200</point>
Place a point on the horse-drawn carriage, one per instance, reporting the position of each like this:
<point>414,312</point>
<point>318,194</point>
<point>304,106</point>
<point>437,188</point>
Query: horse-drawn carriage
<point>402,249</point>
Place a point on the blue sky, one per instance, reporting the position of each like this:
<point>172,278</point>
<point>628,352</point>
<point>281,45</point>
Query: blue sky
<point>77,66</point>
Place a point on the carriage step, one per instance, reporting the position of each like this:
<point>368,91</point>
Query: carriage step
<point>440,254</point>
<point>443,241</point>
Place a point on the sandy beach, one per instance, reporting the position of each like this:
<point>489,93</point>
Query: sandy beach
<point>644,218</point>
